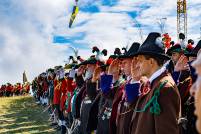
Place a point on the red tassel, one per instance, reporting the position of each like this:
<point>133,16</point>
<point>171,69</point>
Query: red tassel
<point>190,46</point>
<point>167,40</point>
<point>109,61</point>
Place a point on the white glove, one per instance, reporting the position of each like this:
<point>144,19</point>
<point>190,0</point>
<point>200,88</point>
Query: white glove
<point>72,73</point>
<point>78,122</point>
<point>62,74</point>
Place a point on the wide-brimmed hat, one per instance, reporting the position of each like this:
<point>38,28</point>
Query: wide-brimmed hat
<point>133,49</point>
<point>153,46</point>
<point>91,60</point>
<point>195,50</point>
<point>176,48</point>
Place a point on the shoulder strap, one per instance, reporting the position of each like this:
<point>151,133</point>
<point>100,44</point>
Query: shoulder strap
<point>58,86</point>
<point>155,108</point>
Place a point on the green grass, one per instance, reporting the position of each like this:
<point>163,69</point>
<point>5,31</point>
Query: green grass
<point>21,115</point>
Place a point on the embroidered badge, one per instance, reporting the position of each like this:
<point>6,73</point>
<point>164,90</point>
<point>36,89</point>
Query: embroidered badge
<point>146,89</point>
<point>107,113</point>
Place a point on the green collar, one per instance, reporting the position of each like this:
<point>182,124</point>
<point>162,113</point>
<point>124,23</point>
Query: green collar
<point>153,102</point>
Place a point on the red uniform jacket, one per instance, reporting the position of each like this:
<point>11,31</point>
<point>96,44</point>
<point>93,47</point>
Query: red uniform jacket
<point>57,92</point>
<point>19,87</point>
<point>45,86</point>
<point>63,89</point>
<point>9,88</point>
<point>70,87</point>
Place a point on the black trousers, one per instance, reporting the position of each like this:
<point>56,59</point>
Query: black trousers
<point>8,93</point>
<point>60,113</point>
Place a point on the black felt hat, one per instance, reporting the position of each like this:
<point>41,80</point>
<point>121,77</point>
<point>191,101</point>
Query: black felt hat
<point>153,46</point>
<point>51,70</point>
<point>91,60</point>
<point>116,54</point>
<point>131,52</point>
<point>194,52</point>
<point>175,48</point>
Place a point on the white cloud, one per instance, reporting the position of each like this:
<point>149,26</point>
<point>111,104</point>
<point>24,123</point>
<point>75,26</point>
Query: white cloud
<point>27,28</point>
<point>27,36</point>
<point>31,53</point>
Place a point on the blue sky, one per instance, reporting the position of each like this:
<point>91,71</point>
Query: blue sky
<point>29,26</point>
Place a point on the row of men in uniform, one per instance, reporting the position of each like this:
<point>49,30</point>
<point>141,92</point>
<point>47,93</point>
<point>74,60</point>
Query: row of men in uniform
<point>14,90</point>
<point>40,88</point>
<point>145,90</point>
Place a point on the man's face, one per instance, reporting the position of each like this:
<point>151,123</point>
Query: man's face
<point>197,86</point>
<point>143,65</point>
<point>198,106</point>
<point>91,67</point>
<point>126,66</point>
<point>175,57</point>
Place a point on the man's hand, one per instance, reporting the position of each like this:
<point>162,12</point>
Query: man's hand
<point>114,67</point>
<point>72,73</point>
<point>81,70</point>
<point>135,70</point>
<point>96,74</point>
<point>182,64</point>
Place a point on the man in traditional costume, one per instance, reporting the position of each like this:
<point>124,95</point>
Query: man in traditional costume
<point>157,109</point>
<point>9,89</point>
<point>59,83</point>
<point>87,94</point>
<point>102,106</point>
<point>130,91</point>
<point>187,78</point>
<point>197,89</point>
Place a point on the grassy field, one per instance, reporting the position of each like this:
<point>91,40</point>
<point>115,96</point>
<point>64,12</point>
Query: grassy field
<point>21,115</point>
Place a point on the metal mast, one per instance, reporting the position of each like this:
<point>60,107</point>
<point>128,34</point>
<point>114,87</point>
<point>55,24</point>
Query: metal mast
<point>181,17</point>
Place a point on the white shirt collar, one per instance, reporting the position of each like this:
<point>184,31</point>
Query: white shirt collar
<point>128,78</point>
